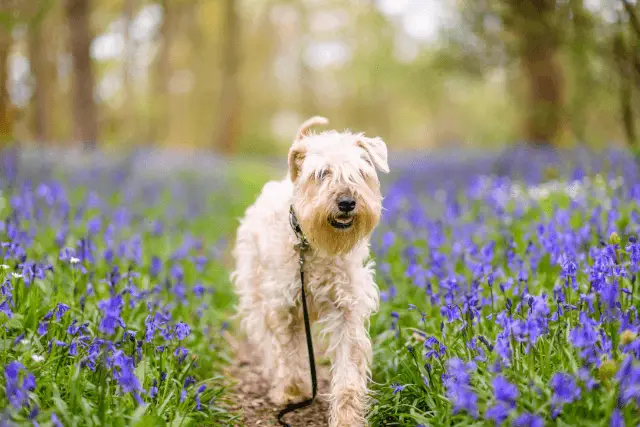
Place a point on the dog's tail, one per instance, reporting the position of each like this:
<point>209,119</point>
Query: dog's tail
<point>303,130</point>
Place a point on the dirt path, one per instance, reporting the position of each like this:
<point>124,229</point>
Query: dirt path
<point>250,390</point>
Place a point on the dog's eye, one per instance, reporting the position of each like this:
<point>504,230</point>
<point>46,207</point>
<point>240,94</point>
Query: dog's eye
<point>324,174</point>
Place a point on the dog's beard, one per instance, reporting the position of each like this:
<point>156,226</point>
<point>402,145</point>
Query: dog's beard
<point>335,232</point>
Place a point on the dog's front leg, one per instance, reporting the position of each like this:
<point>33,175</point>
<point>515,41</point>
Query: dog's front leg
<point>290,380</point>
<point>350,351</point>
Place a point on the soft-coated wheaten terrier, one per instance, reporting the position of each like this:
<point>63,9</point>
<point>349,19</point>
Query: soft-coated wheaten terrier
<point>334,190</point>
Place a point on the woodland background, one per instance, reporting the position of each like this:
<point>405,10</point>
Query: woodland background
<point>238,76</point>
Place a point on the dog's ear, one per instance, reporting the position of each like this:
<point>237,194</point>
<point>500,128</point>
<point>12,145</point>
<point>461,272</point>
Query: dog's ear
<point>298,150</point>
<point>377,150</point>
<point>303,130</point>
<point>297,154</point>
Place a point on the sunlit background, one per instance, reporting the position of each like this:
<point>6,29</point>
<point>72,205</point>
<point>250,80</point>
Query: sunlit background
<point>238,76</point>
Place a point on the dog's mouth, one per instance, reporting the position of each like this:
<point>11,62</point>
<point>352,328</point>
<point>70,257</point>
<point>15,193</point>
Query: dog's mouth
<point>341,222</point>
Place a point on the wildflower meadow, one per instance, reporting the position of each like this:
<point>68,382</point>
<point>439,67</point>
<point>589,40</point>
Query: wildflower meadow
<point>508,291</point>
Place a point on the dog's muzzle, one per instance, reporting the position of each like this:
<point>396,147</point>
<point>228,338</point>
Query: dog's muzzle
<point>342,221</point>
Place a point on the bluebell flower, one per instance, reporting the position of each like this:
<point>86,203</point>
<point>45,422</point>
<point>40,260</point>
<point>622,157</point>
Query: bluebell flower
<point>458,388</point>
<point>504,391</point>
<point>397,388</point>
<point>153,391</point>
<point>16,391</point>
<point>451,312</point>
<point>565,390</point>
<point>198,290</point>
<point>111,309</point>
<point>60,310</point>
<point>55,421</point>
<point>528,420</point>
<point>499,412</point>
<point>616,420</point>
<point>181,353</point>
<point>5,307</point>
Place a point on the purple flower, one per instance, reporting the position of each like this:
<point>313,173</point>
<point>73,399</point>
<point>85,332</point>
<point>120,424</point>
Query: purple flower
<point>55,421</point>
<point>457,383</point>
<point>42,328</point>
<point>111,309</point>
<point>156,266</point>
<point>616,420</point>
<point>565,390</point>
<point>528,420</point>
<point>504,391</point>
<point>5,307</point>
<point>123,373</point>
<point>451,312</point>
<point>397,388</point>
<point>60,310</point>
<point>181,354</point>
<point>17,392</point>
<point>499,412</point>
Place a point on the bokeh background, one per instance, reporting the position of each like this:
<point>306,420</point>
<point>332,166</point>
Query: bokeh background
<point>238,76</point>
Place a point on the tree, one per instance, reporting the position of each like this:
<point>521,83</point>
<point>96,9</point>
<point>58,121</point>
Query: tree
<point>226,134</point>
<point>536,24</point>
<point>42,61</point>
<point>626,46</point>
<point>128,109</point>
<point>162,74</point>
<point>530,33</point>
<point>6,109</point>
<point>85,113</point>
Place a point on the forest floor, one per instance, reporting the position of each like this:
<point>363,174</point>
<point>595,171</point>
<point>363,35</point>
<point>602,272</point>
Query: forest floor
<point>250,390</point>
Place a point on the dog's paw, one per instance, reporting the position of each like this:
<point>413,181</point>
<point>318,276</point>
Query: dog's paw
<point>347,409</point>
<point>347,419</point>
<point>282,395</point>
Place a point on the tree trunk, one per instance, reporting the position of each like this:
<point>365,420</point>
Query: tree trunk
<point>6,110</point>
<point>84,107</point>
<point>160,117</point>
<point>535,24</point>
<point>623,58</point>
<point>229,120</point>
<point>128,109</point>
<point>43,72</point>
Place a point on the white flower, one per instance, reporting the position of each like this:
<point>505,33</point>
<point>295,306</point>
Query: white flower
<point>37,358</point>
<point>74,260</point>
<point>4,266</point>
<point>16,275</point>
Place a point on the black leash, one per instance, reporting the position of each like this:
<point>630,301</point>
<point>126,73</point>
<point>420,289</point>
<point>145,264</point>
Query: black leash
<point>302,246</point>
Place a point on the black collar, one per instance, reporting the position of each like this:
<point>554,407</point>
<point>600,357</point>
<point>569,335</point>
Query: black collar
<point>302,244</point>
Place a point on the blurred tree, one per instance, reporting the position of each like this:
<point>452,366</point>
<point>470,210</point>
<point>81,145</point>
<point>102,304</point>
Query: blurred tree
<point>626,51</point>
<point>128,110</point>
<point>84,105</point>
<point>6,109</point>
<point>162,73</point>
<point>226,134</point>
<point>42,61</point>
<point>537,25</point>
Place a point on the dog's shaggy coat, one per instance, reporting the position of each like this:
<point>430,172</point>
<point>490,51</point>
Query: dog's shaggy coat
<point>341,293</point>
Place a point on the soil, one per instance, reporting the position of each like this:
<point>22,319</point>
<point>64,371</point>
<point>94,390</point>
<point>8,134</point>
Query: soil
<point>250,393</point>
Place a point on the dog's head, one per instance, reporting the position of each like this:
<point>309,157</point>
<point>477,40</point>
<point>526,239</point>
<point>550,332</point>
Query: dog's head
<point>336,189</point>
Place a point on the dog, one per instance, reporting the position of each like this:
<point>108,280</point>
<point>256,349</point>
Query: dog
<point>333,189</point>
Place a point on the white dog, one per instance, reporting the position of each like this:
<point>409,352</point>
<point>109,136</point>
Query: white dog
<point>334,190</point>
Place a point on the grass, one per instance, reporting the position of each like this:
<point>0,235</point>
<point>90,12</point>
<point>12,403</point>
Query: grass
<point>97,290</point>
<point>516,309</point>
<point>493,282</point>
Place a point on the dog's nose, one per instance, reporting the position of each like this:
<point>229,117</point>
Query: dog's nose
<point>346,204</point>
